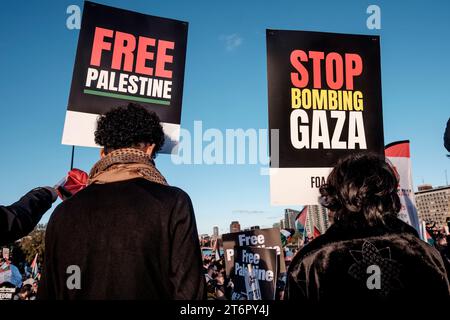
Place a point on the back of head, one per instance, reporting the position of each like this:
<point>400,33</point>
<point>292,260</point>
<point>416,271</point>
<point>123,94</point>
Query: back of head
<point>132,126</point>
<point>26,289</point>
<point>361,191</point>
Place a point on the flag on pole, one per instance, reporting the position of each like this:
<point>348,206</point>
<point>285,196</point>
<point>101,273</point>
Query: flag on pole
<point>286,234</point>
<point>34,267</point>
<point>398,154</point>
<point>216,249</point>
<point>300,221</point>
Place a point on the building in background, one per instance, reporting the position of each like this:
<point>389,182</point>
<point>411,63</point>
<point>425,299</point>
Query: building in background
<point>317,216</point>
<point>433,204</point>
<point>215,231</point>
<point>255,228</point>
<point>289,218</point>
<point>425,187</point>
<point>235,226</point>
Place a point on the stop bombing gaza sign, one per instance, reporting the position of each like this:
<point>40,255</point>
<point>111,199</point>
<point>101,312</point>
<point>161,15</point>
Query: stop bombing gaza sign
<point>124,57</point>
<point>324,103</point>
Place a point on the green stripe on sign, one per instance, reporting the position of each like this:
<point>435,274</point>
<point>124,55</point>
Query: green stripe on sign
<point>125,97</point>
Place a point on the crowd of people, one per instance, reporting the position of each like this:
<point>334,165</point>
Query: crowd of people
<point>439,238</point>
<point>128,212</point>
<point>221,287</point>
<point>218,286</point>
<point>17,282</point>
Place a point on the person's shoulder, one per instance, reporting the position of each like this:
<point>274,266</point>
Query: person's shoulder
<point>163,191</point>
<point>125,188</point>
<point>398,226</point>
<point>182,199</point>
<point>416,246</point>
<point>155,186</point>
<point>406,242</point>
<point>180,193</point>
<point>138,187</point>
<point>73,204</point>
<point>55,217</point>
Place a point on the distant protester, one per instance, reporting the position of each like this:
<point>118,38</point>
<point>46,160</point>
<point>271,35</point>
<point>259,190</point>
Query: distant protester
<point>368,254</point>
<point>25,293</point>
<point>447,136</point>
<point>20,218</point>
<point>129,234</point>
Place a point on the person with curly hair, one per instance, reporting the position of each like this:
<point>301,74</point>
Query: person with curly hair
<point>368,254</point>
<point>130,234</point>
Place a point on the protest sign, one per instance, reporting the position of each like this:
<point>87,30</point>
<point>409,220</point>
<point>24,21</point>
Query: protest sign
<point>7,293</point>
<point>123,57</point>
<point>255,273</point>
<point>261,238</point>
<point>324,103</point>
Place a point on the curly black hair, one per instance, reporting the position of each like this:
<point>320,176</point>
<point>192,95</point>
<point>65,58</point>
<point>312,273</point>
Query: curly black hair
<point>361,190</point>
<point>128,127</point>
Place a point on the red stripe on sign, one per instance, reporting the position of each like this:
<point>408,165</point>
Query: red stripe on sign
<point>397,149</point>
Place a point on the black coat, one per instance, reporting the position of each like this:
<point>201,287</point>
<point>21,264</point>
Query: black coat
<point>334,267</point>
<point>132,239</point>
<point>20,218</point>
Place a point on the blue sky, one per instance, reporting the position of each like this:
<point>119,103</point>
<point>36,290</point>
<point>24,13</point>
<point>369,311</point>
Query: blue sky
<point>225,87</point>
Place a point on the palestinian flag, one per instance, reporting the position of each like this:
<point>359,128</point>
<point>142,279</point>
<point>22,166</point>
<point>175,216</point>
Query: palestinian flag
<point>300,221</point>
<point>216,249</point>
<point>34,267</point>
<point>286,234</point>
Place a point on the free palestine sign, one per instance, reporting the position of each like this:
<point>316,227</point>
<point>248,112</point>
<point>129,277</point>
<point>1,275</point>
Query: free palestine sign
<point>124,57</point>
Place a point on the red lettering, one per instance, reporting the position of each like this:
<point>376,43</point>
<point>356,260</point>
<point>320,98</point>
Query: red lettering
<point>296,57</point>
<point>334,69</point>
<point>144,55</point>
<point>353,68</point>
<point>99,45</point>
<point>164,58</point>
<point>129,50</point>
<point>317,57</point>
<point>335,77</point>
<point>124,45</point>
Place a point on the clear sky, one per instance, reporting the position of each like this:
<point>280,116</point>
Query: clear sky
<point>225,87</point>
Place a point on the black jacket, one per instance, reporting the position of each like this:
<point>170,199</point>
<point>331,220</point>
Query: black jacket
<point>20,218</point>
<point>334,267</point>
<point>132,239</point>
